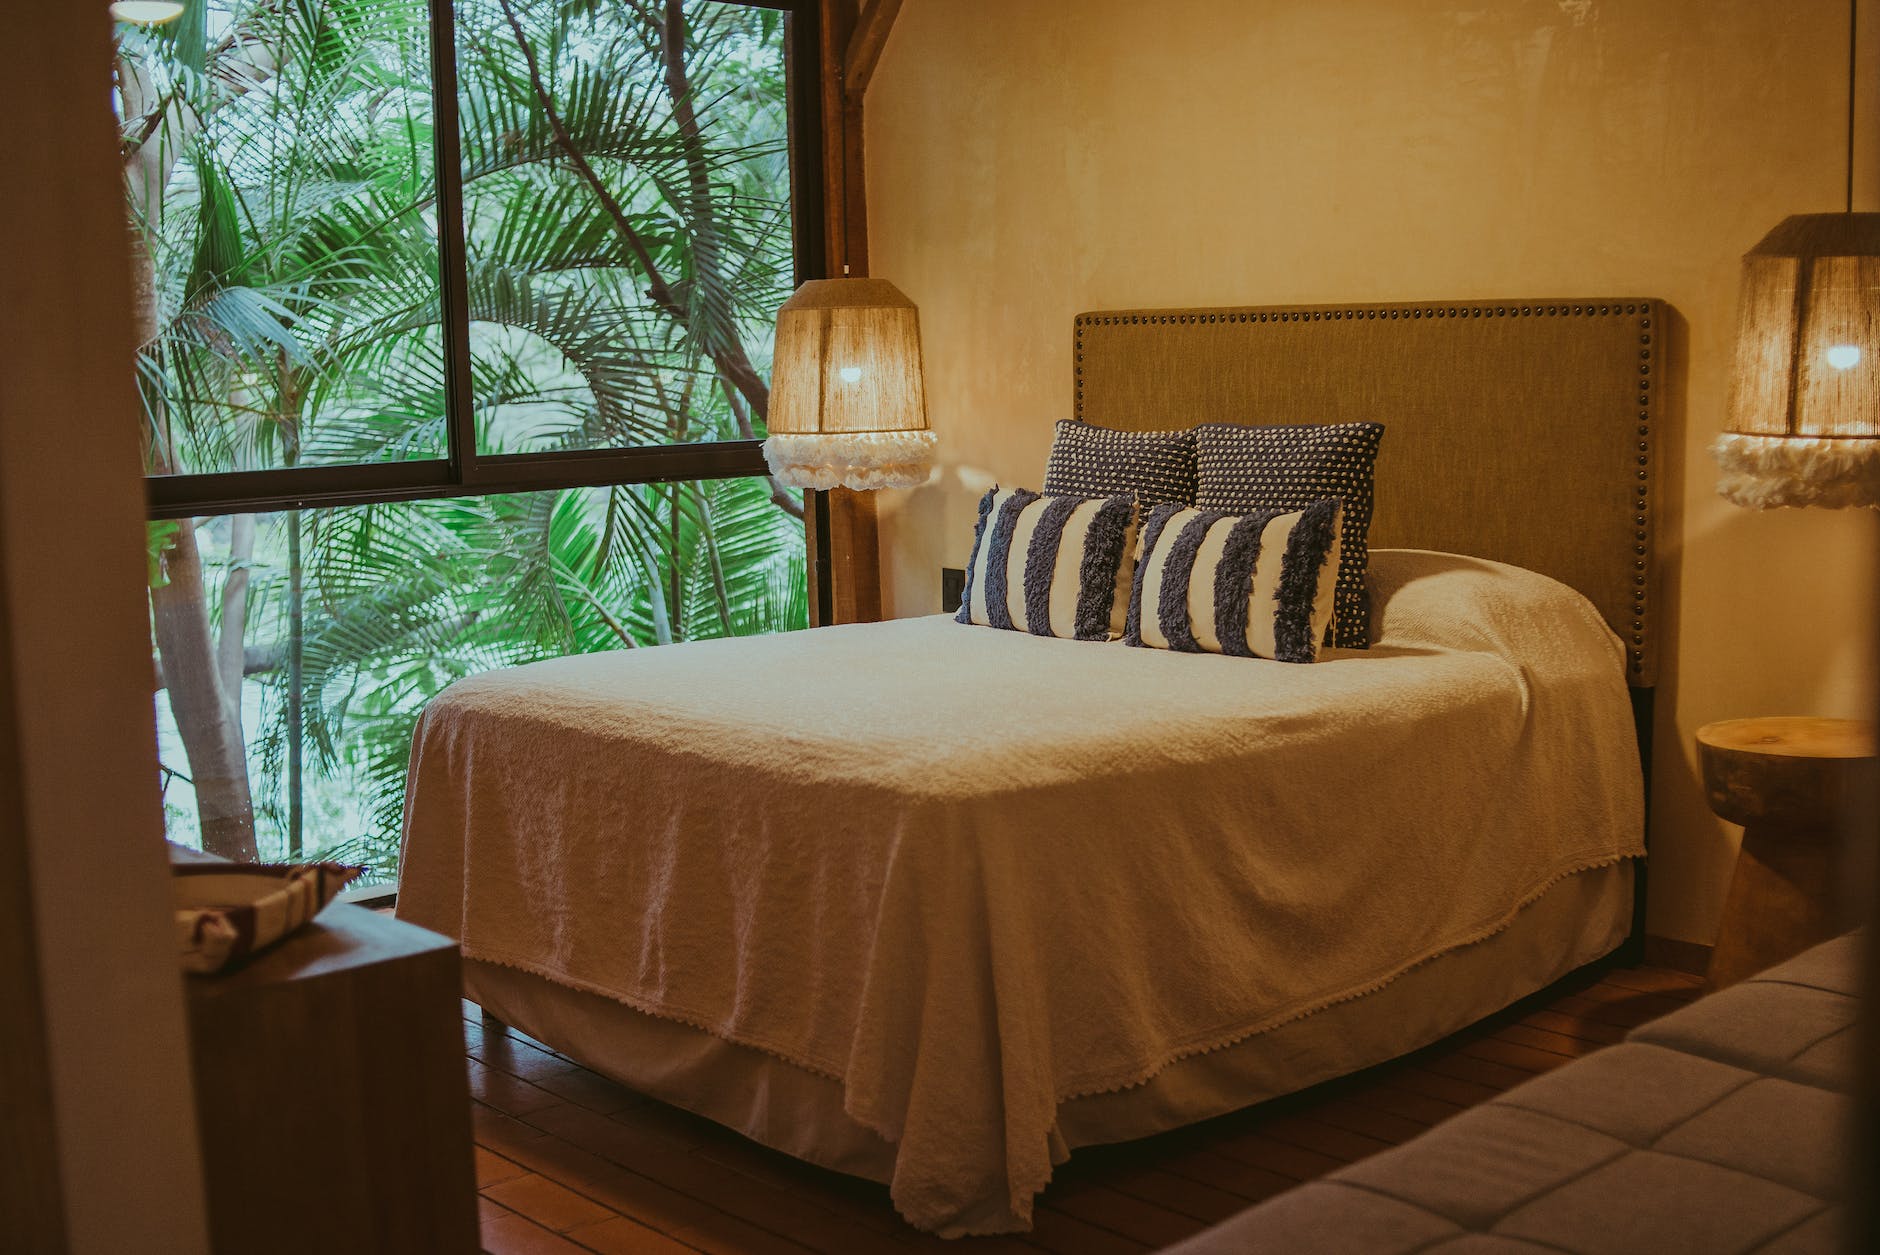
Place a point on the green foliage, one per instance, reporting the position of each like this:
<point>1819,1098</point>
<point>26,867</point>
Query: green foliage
<point>297,321</point>
<point>159,537</point>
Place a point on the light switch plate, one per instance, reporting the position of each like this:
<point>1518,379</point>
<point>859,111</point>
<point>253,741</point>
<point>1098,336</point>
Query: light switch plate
<point>952,587</point>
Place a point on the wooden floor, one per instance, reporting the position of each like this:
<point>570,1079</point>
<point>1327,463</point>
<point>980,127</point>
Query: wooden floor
<point>568,1161</point>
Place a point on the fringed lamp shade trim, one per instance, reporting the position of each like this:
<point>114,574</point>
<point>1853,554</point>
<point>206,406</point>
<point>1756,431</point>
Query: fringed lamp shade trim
<point>858,459</point>
<point>1763,472</point>
<point>847,405</point>
<point>1805,401</point>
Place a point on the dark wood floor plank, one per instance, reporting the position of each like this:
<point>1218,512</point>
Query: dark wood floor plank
<point>507,1052</point>
<point>568,1160</point>
<point>493,1168</point>
<point>1654,980</point>
<point>796,1213</point>
<point>548,1203</point>
<point>1484,1073</point>
<point>1618,1007</point>
<point>1150,1223</point>
<point>1525,1059</point>
<point>503,1134</point>
<point>1234,1176</point>
<point>1462,1093</point>
<point>591,1090</point>
<point>1533,1035</point>
<point>1061,1234</point>
<point>518,1235</point>
<point>1387,1095</point>
<point>1359,1116</point>
<point>507,1094</point>
<point>695,1222</point>
<point>619,1236</point>
<point>1295,1162</point>
<point>1193,1199</point>
<point>1590,1031</point>
<point>1339,1144</point>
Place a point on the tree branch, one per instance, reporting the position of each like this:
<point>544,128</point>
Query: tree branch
<point>256,660</point>
<point>725,348</point>
<point>780,495</point>
<point>730,358</point>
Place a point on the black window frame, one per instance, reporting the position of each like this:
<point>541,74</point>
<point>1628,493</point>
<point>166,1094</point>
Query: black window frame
<point>464,471</point>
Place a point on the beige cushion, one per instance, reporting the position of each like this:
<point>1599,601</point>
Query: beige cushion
<point>1763,1025</point>
<point>1640,1091</point>
<point>1717,1129</point>
<point>1648,1202</point>
<point>1775,1129</point>
<point>1485,1163</point>
<point>1325,1216</point>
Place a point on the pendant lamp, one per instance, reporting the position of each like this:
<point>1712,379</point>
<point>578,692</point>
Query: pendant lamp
<point>1803,427</point>
<point>847,408</point>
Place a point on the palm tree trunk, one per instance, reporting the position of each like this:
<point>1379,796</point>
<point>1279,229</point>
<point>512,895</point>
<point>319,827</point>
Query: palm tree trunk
<point>208,718</point>
<point>231,646</point>
<point>296,646</point>
<point>211,739</point>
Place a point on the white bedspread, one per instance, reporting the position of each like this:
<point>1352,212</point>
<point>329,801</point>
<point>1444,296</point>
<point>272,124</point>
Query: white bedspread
<point>971,873</point>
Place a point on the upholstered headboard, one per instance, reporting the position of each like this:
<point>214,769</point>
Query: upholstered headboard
<point>1522,431</point>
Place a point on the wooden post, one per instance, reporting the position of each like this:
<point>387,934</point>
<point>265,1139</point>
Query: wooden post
<point>852,40</point>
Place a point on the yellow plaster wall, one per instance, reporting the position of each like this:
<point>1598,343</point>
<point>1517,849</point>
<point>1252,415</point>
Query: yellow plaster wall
<point>1032,158</point>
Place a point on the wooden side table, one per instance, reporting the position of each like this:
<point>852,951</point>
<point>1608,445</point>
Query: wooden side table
<point>332,1097</point>
<point>1790,782</point>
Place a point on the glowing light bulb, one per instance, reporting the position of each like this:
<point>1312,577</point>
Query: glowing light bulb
<point>853,374</point>
<point>146,12</point>
<point>1844,356</point>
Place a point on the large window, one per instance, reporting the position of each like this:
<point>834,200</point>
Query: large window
<point>455,325</point>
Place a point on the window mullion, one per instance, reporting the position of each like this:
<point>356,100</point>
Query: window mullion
<point>453,261</point>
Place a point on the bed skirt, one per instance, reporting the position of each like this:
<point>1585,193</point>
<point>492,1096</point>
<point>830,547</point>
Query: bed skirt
<point>800,1113</point>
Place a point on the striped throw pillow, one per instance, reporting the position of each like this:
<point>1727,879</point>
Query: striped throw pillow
<point>1051,566</point>
<point>1255,585</point>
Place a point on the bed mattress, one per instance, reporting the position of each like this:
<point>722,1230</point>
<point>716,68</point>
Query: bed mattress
<point>970,877</point>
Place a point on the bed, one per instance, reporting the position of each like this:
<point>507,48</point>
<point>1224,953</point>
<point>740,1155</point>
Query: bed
<point>936,904</point>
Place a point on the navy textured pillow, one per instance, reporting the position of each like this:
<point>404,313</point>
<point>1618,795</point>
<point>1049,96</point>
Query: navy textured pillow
<point>1241,469</point>
<point>1089,461</point>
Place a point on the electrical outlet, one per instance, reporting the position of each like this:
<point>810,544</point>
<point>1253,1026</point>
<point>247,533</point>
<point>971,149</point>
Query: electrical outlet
<point>952,587</point>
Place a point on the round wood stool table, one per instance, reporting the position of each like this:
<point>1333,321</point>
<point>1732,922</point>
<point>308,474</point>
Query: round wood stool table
<point>1790,782</point>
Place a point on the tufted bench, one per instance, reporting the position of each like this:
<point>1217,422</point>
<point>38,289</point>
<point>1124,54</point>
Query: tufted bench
<point>1719,1129</point>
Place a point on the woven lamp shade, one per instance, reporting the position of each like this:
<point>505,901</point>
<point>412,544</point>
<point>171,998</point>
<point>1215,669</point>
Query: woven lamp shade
<point>847,408</point>
<point>1804,420</point>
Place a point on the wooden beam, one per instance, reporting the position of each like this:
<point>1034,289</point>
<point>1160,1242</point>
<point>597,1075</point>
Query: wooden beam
<point>94,1033</point>
<point>31,1196</point>
<point>854,570</point>
<point>845,181</point>
<point>865,45</point>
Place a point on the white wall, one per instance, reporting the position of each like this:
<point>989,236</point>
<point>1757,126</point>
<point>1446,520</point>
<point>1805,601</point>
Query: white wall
<point>1029,159</point>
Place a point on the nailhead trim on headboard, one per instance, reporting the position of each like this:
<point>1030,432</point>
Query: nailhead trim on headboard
<point>1642,311</point>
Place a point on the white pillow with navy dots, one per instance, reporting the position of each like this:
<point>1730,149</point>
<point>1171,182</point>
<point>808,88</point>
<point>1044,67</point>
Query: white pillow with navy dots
<point>1090,461</point>
<point>1239,469</point>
